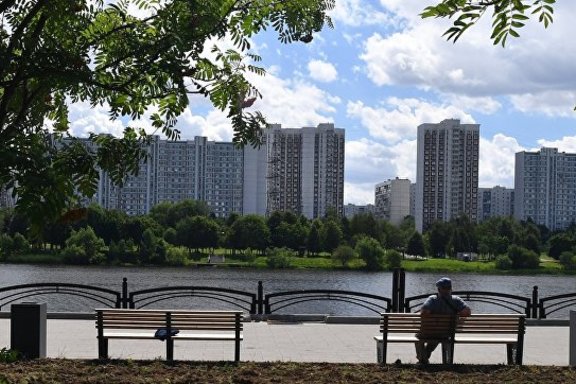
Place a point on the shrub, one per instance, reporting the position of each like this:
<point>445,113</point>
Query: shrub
<point>568,260</point>
<point>371,252</point>
<point>523,258</point>
<point>343,254</point>
<point>503,262</point>
<point>279,258</point>
<point>8,355</point>
<point>393,258</point>
<point>84,247</point>
<point>176,256</point>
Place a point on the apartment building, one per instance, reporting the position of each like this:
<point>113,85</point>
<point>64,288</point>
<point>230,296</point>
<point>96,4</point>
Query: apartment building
<point>196,169</point>
<point>351,210</point>
<point>392,200</point>
<point>446,172</point>
<point>494,202</point>
<point>304,169</point>
<point>297,170</point>
<point>544,184</point>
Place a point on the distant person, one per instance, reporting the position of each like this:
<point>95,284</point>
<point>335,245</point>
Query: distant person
<point>441,303</point>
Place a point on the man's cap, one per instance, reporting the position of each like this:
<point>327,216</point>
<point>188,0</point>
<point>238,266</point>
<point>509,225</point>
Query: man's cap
<point>444,283</point>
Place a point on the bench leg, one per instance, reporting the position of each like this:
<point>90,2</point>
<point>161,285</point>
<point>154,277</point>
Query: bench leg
<point>237,350</point>
<point>102,348</point>
<point>447,352</point>
<point>513,355</point>
<point>169,349</point>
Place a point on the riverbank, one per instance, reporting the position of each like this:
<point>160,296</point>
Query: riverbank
<point>136,372</point>
<point>548,266</point>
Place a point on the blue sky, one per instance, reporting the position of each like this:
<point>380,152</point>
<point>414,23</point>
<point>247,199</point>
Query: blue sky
<point>382,71</point>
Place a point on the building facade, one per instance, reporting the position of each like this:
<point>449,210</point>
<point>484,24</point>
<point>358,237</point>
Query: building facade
<point>544,184</point>
<point>494,202</point>
<point>446,172</point>
<point>392,200</point>
<point>178,170</point>
<point>304,170</point>
<point>351,210</point>
<point>296,170</point>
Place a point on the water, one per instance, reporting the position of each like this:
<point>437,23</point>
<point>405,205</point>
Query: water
<point>242,279</point>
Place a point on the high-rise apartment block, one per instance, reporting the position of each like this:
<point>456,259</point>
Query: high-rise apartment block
<point>544,184</point>
<point>494,202</point>
<point>296,170</point>
<point>392,200</point>
<point>177,170</point>
<point>304,170</point>
<point>446,172</point>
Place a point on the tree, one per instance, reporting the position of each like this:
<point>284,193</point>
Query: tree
<point>416,245</point>
<point>313,242</point>
<point>249,231</point>
<point>98,52</point>
<point>197,232</point>
<point>369,250</point>
<point>84,247</point>
<point>507,18</point>
<point>331,235</point>
<point>344,254</point>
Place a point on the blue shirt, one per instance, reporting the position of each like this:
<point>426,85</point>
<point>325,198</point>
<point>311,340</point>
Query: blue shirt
<point>436,304</point>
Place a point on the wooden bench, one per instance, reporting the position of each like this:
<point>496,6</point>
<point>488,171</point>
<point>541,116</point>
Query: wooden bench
<point>192,325</point>
<point>506,329</point>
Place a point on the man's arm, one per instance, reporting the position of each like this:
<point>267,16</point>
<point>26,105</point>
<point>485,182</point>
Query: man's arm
<point>465,312</point>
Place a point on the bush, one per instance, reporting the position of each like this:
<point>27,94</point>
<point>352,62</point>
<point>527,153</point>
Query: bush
<point>568,260</point>
<point>84,247</point>
<point>503,262</point>
<point>393,259</point>
<point>523,258</point>
<point>8,355</point>
<point>176,256</point>
<point>371,252</point>
<point>343,254</point>
<point>279,258</point>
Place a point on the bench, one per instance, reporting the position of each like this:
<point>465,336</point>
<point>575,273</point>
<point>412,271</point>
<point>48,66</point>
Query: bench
<point>192,325</point>
<point>506,329</point>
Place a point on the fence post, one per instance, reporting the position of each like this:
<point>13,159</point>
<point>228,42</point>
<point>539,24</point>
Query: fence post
<point>535,302</point>
<point>395,290</point>
<point>401,290</point>
<point>260,297</point>
<point>124,293</point>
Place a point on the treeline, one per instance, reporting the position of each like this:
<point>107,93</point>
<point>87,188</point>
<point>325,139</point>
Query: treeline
<point>174,233</point>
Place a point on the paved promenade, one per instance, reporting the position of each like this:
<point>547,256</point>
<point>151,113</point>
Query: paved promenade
<point>302,342</point>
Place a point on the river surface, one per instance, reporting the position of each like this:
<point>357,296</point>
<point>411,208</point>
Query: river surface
<point>244,279</point>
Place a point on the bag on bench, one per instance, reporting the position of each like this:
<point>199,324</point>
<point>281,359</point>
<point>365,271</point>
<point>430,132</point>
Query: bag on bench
<point>162,333</point>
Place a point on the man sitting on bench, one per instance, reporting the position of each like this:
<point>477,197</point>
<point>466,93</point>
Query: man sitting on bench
<point>441,303</point>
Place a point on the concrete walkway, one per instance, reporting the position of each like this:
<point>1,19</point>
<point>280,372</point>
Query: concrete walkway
<point>302,342</point>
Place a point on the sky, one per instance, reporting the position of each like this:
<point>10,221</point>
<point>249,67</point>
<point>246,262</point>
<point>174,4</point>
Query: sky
<point>383,70</point>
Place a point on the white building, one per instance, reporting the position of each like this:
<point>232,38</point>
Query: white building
<point>392,200</point>
<point>494,202</point>
<point>544,184</point>
<point>304,170</point>
<point>178,170</point>
<point>351,210</point>
<point>446,172</point>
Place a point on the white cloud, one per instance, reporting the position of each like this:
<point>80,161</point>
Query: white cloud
<point>549,103</point>
<point>397,119</point>
<point>359,12</point>
<point>322,71</point>
<point>85,119</point>
<point>497,157</point>
<point>533,67</point>
<point>565,144</point>
<point>359,194</point>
